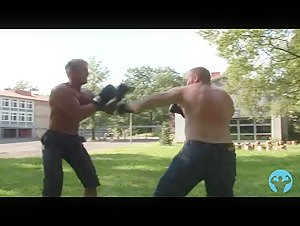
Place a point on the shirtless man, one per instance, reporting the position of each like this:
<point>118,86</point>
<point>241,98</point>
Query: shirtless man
<point>208,153</point>
<point>69,104</point>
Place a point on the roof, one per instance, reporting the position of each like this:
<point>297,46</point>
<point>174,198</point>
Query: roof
<point>219,77</point>
<point>23,95</point>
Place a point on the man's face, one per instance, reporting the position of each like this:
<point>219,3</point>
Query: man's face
<point>81,73</point>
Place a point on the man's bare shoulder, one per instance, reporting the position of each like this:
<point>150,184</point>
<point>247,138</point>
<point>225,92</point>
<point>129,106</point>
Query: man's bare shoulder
<point>220,91</point>
<point>61,88</point>
<point>62,91</point>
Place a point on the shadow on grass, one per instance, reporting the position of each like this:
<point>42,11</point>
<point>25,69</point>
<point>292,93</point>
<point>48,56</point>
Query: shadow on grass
<point>131,175</point>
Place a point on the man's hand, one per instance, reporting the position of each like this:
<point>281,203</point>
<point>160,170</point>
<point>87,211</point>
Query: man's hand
<point>122,90</point>
<point>110,107</point>
<point>123,108</point>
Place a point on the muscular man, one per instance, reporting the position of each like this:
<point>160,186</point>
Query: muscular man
<point>208,153</point>
<point>69,105</point>
<point>280,183</point>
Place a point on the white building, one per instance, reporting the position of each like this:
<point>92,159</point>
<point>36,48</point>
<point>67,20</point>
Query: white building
<point>242,129</point>
<point>19,112</point>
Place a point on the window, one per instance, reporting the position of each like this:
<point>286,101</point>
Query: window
<point>263,129</point>
<point>29,105</point>
<point>13,116</point>
<point>22,117</point>
<point>29,118</point>
<point>263,137</point>
<point>234,137</point>
<point>5,116</point>
<point>247,137</point>
<point>233,121</point>
<point>233,129</point>
<point>246,121</point>
<point>247,129</point>
<point>22,104</point>
<point>5,102</point>
<point>14,103</point>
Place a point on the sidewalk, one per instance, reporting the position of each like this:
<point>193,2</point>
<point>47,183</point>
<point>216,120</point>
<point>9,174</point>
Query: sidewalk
<point>17,140</point>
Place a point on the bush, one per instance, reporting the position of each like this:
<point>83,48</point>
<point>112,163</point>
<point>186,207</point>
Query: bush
<point>166,137</point>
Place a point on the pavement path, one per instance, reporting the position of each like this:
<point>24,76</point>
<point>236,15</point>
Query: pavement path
<point>33,148</point>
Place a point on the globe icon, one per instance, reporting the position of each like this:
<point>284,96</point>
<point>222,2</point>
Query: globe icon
<point>280,181</point>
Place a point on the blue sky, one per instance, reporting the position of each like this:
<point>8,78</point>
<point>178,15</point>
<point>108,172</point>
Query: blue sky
<point>39,55</point>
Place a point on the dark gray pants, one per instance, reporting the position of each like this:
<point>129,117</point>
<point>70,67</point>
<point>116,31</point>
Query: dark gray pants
<point>56,147</point>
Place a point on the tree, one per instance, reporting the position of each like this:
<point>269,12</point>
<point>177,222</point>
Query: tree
<point>166,135</point>
<point>97,74</point>
<point>263,68</point>
<point>25,85</point>
<point>147,80</point>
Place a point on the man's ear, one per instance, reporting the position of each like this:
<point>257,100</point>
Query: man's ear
<point>196,79</point>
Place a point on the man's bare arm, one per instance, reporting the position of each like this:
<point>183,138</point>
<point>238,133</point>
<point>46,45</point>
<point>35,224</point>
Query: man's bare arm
<point>230,107</point>
<point>86,96</point>
<point>64,99</point>
<point>155,100</point>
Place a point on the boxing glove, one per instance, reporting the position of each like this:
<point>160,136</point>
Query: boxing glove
<point>175,109</point>
<point>107,93</point>
<point>122,90</point>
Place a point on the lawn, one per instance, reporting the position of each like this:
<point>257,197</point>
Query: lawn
<point>135,170</point>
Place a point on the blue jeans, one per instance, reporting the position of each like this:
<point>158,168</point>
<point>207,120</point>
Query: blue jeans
<point>215,164</point>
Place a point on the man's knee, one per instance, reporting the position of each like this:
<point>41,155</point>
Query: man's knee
<point>169,186</point>
<point>84,169</point>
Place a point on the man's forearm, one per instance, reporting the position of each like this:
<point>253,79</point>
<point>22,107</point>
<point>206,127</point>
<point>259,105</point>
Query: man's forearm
<point>149,102</point>
<point>85,111</point>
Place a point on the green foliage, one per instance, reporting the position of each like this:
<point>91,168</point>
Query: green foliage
<point>166,137</point>
<point>97,75</point>
<point>263,68</point>
<point>294,126</point>
<point>25,85</point>
<point>147,80</point>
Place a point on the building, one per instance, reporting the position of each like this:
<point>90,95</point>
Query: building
<point>41,117</point>
<point>242,128</point>
<point>22,114</point>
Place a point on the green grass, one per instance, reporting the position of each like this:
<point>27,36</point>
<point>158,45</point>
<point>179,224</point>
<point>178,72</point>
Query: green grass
<point>135,171</point>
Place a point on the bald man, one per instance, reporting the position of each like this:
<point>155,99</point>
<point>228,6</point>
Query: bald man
<point>208,153</point>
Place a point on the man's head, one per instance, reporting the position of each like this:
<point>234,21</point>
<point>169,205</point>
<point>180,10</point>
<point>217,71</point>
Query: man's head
<point>198,74</point>
<point>77,71</point>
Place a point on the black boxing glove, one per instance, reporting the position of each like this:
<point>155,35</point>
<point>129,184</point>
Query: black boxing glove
<point>107,93</point>
<point>122,90</point>
<point>175,109</point>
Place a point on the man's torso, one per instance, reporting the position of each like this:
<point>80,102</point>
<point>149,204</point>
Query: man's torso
<point>207,114</point>
<point>59,120</point>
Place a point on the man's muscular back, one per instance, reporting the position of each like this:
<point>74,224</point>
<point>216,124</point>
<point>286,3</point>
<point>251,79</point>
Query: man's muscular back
<point>62,100</point>
<point>207,113</point>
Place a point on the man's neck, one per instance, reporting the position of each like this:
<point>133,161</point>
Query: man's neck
<point>75,86</point>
